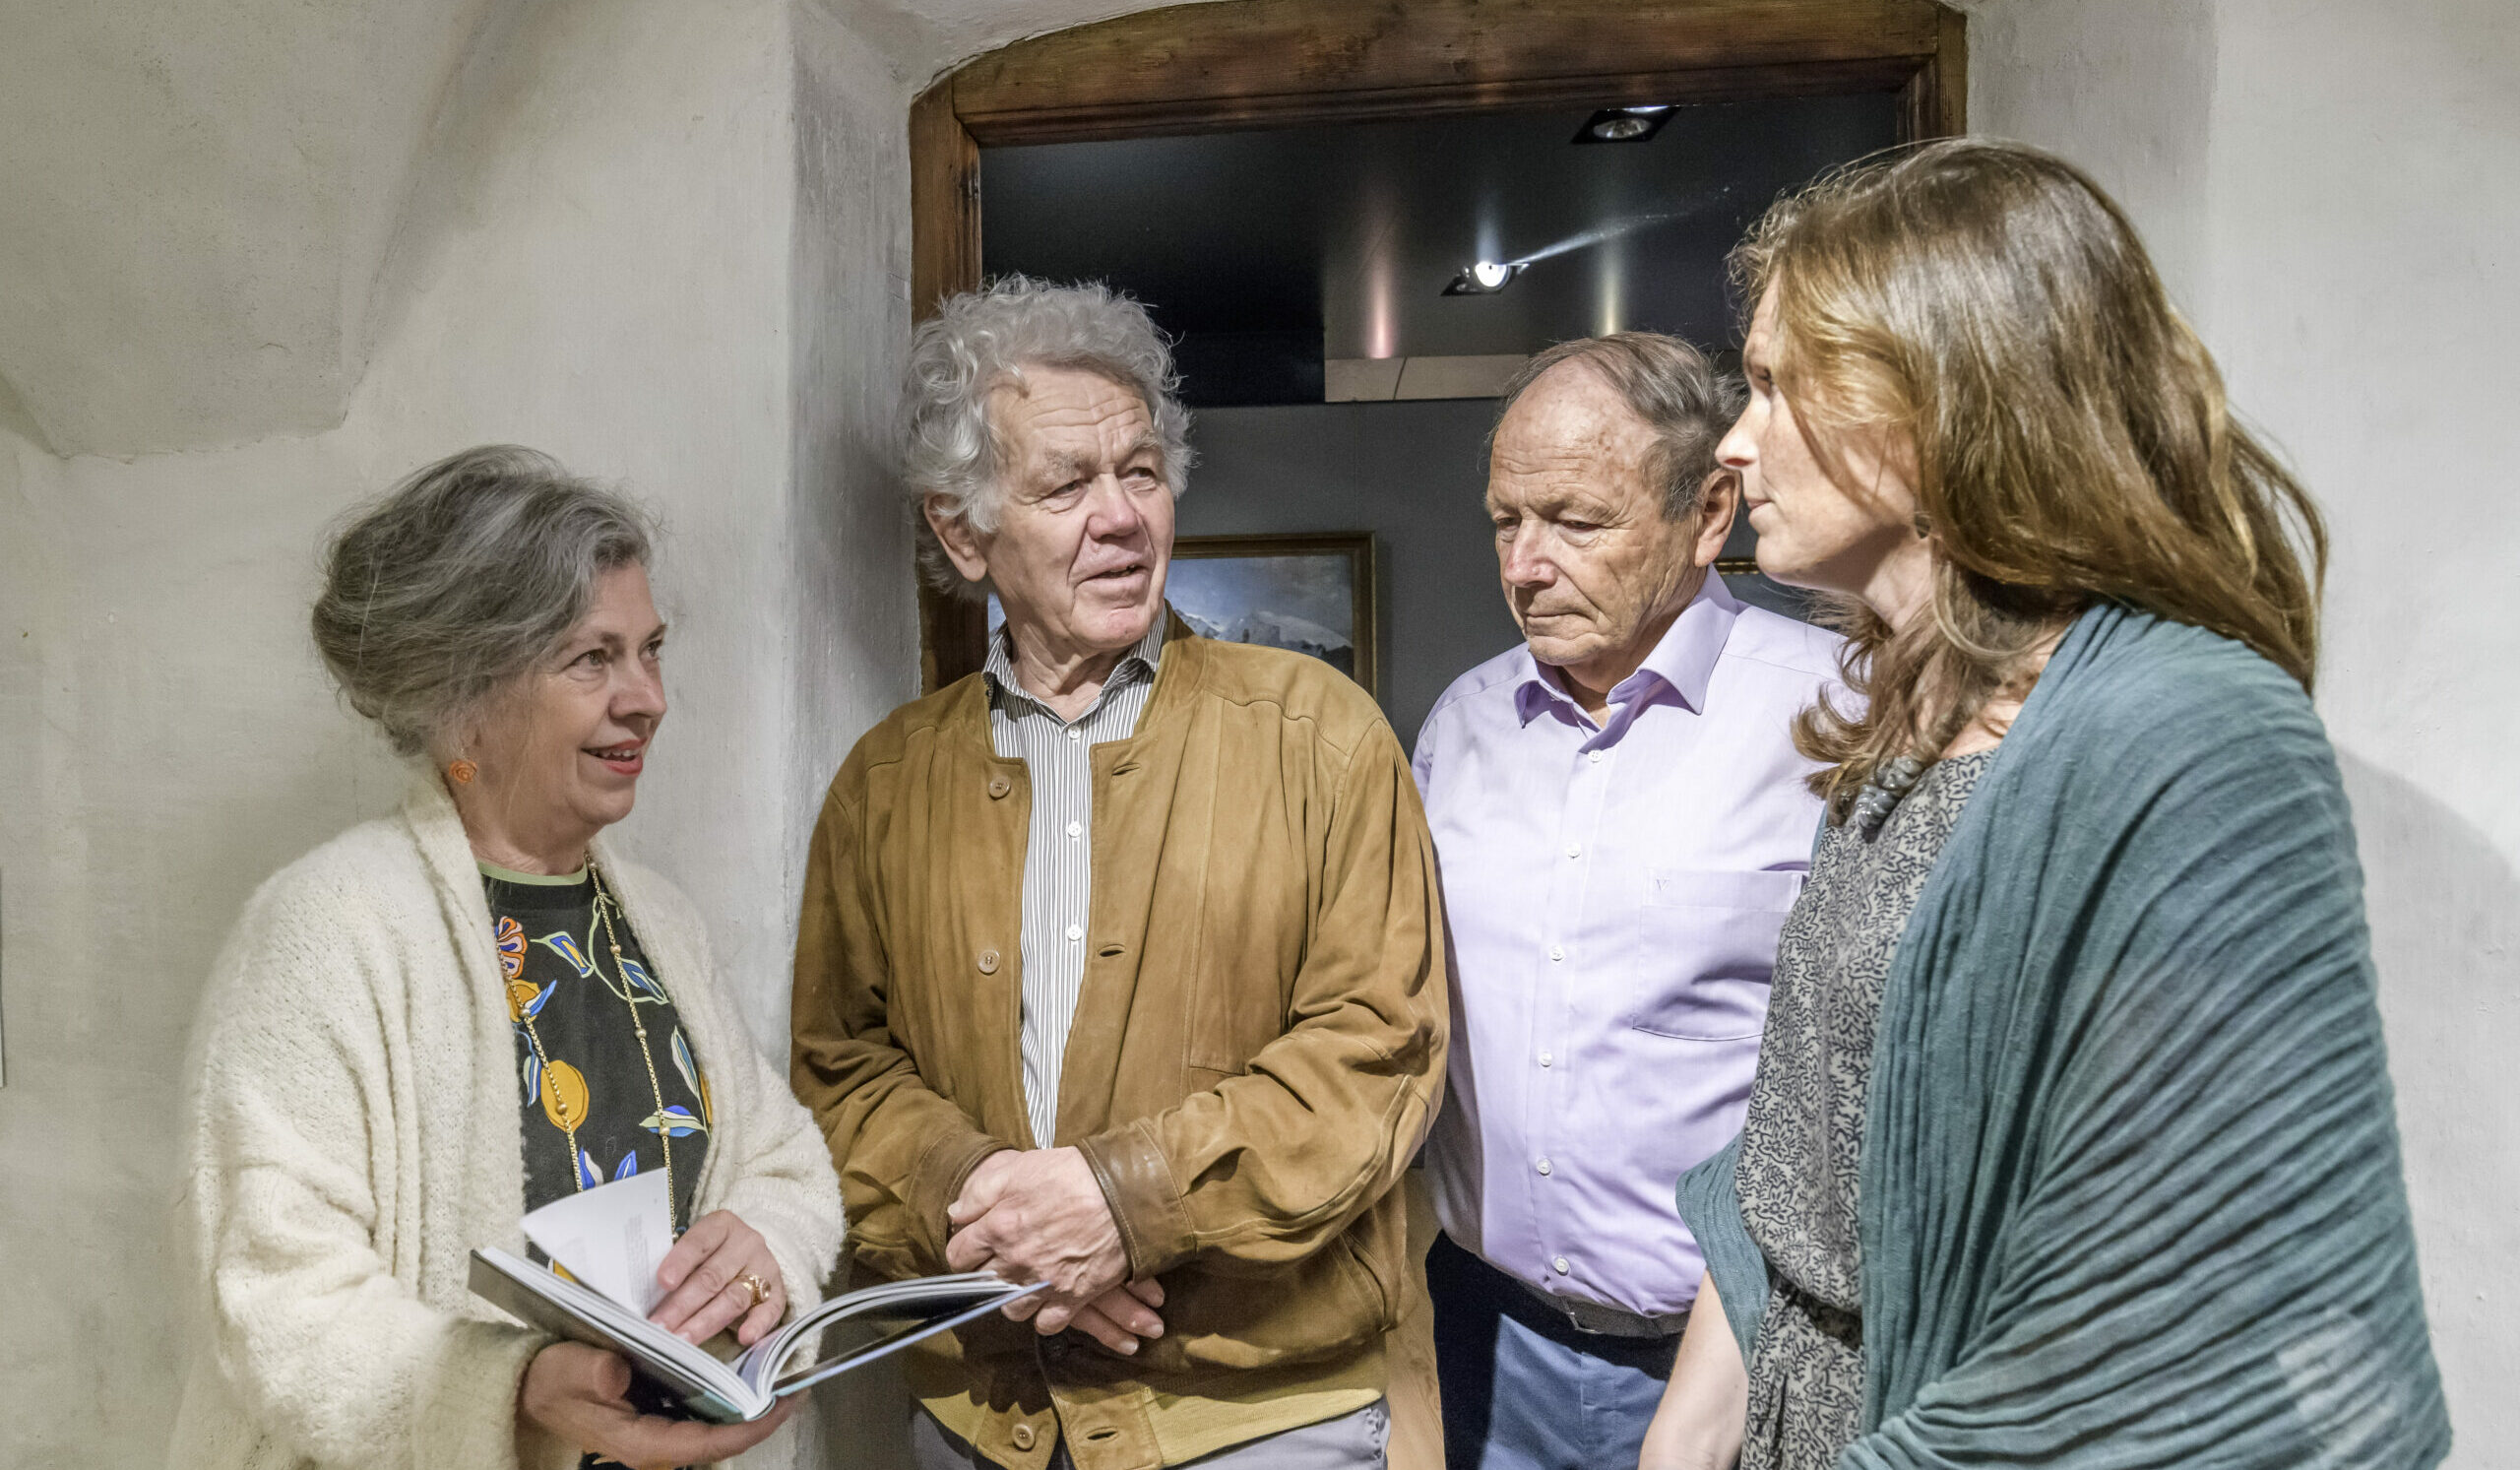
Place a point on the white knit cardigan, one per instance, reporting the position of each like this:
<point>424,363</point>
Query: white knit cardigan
<point>355,1129</point>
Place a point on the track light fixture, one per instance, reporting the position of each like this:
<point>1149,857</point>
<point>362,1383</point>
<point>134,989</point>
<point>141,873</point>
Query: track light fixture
<point>1623,125</point>
<point>1485,279</point>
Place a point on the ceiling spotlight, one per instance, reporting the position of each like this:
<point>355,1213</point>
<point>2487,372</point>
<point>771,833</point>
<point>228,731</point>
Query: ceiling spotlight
<point>1485,279</point>
<point>1623,125</point>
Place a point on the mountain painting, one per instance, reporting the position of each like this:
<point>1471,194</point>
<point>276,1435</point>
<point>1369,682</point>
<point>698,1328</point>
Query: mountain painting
<point>1304,605</point>
<point>1311,595</point>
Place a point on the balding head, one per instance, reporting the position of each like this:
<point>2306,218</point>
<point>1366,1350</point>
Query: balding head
<point>1608,503</point>
<point>1671,388</point>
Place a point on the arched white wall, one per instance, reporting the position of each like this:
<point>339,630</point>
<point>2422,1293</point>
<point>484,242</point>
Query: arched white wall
<point>198,200</point>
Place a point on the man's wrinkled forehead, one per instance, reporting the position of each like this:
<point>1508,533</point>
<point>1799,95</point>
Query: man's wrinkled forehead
<point>1108,423</point>
<point>1070,463</point>
<point>1563,434</point>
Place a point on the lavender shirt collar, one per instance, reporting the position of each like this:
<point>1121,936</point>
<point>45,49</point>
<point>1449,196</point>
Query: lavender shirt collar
<point>1681,666</point>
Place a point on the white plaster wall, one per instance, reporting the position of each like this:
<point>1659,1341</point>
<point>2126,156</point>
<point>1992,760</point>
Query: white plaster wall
<point>198,197</point>
<point>2127,94</point>
<point>609,256</point>
<point>928,37</point>
<point>168,745</point>
<point>2331,189</point>
<point>855,634</point>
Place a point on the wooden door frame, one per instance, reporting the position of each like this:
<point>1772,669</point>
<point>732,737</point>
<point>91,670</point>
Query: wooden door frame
<point>1235,64</point>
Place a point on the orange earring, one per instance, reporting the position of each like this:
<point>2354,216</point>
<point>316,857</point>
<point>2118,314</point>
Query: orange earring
<point>462,771</point>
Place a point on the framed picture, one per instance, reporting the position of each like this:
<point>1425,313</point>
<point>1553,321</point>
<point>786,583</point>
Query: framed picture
<point>1310,593</point>
<point>1307,594</point>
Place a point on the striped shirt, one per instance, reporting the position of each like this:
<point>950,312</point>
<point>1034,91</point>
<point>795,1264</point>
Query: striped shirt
<point>1058,852</point>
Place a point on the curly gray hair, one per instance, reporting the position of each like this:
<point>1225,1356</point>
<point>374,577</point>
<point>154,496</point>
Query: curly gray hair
<point>949,453</point>
<point>468,573</point>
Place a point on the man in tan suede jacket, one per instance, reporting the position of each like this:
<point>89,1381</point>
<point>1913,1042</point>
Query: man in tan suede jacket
<point>1121,965</point>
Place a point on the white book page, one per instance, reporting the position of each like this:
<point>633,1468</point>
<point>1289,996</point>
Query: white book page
<point>612,1237</point>
<point>762,1365</point>
<point>873,1323</point>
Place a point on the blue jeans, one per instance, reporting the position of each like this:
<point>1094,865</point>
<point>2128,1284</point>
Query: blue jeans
<point>1524,1390</point>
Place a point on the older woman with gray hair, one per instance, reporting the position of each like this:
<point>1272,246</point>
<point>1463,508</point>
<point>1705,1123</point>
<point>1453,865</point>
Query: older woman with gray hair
<point>448,1017</point>
<point>1119,966</point>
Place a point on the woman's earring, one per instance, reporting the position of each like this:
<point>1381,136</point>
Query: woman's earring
<point>462,772</point>
<point>1924,525</point>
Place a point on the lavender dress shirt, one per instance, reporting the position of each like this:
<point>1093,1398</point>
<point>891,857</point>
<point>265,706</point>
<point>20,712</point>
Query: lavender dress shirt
<point>1613,895</point>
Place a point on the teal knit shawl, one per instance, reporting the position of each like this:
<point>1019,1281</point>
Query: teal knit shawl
<point>2130,1188</point>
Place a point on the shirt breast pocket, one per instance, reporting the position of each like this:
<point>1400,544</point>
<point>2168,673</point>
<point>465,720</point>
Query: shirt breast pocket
<point>1708,941</point>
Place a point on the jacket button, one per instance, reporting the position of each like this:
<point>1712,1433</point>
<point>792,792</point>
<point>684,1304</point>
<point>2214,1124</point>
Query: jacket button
<point>988,962</point>
<point>998,787</point>
<point>1024,1436</point>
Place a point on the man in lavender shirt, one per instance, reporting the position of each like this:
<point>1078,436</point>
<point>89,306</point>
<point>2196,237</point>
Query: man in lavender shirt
<point>1621,821</point>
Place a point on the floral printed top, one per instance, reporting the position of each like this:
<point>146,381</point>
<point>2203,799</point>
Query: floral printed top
<point>590,1070</point>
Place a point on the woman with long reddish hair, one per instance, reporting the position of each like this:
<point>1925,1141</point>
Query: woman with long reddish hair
<point>2072,1141</point>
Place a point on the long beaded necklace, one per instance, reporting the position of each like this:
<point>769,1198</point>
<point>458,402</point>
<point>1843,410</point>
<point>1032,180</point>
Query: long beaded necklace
<point>561,1108</point>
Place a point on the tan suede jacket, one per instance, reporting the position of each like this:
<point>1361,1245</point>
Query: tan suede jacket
<point>1256,1053</point>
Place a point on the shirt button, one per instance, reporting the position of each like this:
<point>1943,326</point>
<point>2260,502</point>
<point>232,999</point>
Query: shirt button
<point>1023,1437</point>
<point>1075,931</point>
<point>1548,1058</point>
<point>1558,1264</point>
<point>1076,829</point>
<point>1074,733</point>
<point>1541,1166</point>
<point>1557,953</point>
<point>1574,850</point>
<point>1592,757</point>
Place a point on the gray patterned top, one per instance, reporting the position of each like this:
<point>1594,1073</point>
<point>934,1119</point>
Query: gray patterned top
<point>1058,848</point>
<point>1801,1143</point>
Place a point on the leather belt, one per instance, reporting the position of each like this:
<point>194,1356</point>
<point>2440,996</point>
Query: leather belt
<point>1605,1322</point>
<point>1461,1277</point>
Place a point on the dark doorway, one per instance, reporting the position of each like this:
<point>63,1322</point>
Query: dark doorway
<point>1254,65</point>
<point>1342,378</point>
<point>1268,253</point>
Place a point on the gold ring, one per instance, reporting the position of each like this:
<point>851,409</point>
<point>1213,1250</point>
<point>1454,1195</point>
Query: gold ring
<point>752,1283</point>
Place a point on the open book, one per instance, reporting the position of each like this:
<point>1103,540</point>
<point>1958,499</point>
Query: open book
<point>619,1237</point>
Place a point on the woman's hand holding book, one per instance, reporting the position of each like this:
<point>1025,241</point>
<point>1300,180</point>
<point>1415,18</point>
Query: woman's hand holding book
<point>580,1396</point>
<point>720,1273</point>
